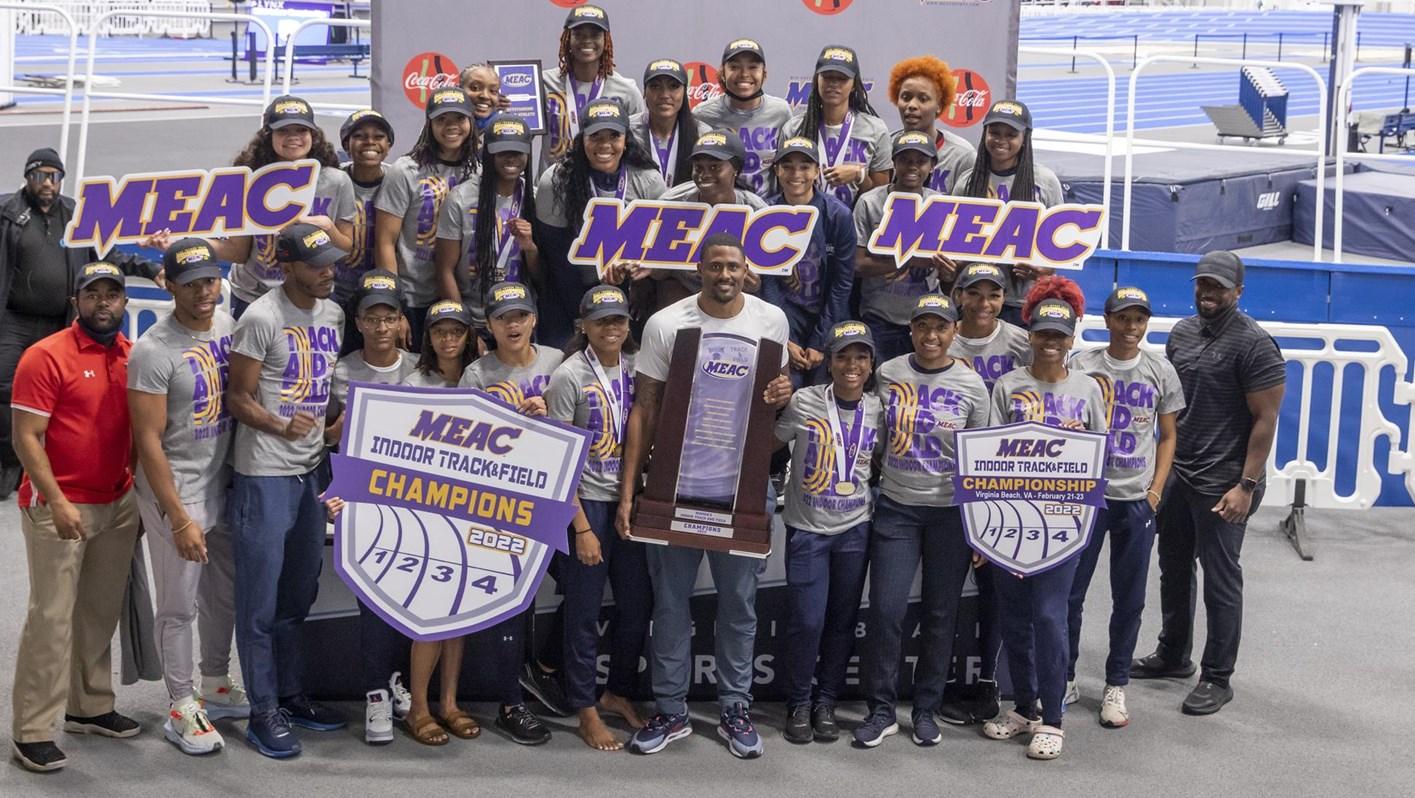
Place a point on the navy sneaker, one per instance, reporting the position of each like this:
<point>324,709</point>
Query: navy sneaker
<point>879,725</point>
<point>660,730</point>
<point>302,712</point>
<point>926,731</point>
<point>270,734</point>
<point>741,736</point>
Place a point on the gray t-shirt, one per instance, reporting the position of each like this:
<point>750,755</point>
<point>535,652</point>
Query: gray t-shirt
<point>815,501</point>
<point>190,368</point>
<point>1136,394</point>
<point>869,144</point>
<point>416,194</point>
<point>458,222</point>
<point>1019,396</point>
<point>923,409</point>
<point>550,210</point>
<point>667,160</point>
<point>512,384</point>
<point>360,256</point>
<point>559,133</point>
<point>1048,193</point>
<point>956,155</point>
<point>889,299</point>
<point>297,350</point>
<point>353,368</point>
<point>333,197</point>
<point>576,396</point>
<point>417,378</point>
<point>993,356</point>
<point>759,128</point>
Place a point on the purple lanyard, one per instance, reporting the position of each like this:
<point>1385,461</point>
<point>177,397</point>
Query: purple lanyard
<point>666,155</point>
<point>835,147</point>
<point>505,242</point>
<point>621,189</point>
<point>589,97</point>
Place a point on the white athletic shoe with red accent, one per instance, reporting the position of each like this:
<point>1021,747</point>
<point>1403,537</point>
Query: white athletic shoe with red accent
<point>188,728</point>
<point>222,697</point>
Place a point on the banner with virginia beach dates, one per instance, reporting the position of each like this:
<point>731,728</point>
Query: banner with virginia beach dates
<point>1029,493</point>
<point>454,503</point>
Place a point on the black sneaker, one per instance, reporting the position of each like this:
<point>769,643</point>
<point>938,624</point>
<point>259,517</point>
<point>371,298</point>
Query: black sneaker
<point>523,726</point>
<point>40,757</point>
<point>823,723</point>
<point>546,689</point>
<point>109,724</point>
<point>956,710</point>
<point>984,704</point>
<point>306,714</point>
<point>798,725</point>
<point>9,483</point>
<point>1206,699</point>
<point>1156,666</point>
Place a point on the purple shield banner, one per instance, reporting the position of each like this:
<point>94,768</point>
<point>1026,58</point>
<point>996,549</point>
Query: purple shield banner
<point>1029,493</point>
<point>454,504</point>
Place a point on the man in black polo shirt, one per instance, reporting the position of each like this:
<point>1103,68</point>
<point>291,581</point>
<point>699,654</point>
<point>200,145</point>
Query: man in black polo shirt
<point>1233,376</point>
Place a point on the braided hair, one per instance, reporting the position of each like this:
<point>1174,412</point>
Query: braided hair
<point>606,58</point>
<point>485,234</point>
<point>572,183</point>
<point>1024,183</point>
<point>815,110</point>
<point>425,151</point>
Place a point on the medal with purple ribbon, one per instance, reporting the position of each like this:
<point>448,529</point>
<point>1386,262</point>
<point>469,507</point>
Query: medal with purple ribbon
<point>845,441</point>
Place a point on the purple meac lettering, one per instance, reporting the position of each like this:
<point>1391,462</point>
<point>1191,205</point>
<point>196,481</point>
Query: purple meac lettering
<point>731,220</point>
<point>1085,219</point>
<point>1016,231</point>
<point>907,228</point>
<point>102,218</point>
<point>670,243</point>
<point>794,224</point>
<point>965,238</point>
<point>224,203</point>
<point>170,209</point>
<point>264,216</point>
<point>605,237</point>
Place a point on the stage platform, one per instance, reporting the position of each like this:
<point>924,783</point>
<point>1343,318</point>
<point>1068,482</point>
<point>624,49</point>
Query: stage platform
<point>1378,208</point>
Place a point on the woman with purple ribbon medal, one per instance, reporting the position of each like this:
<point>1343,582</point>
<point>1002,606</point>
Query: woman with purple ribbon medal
<point>833,431</point>
<point>853,140</point>
<point>594,389</point>
<point>485,233</point>
<point>928,396</point>
<point>584,73</point>
<point>668,125</point>
<point>1034,608</point>
<point>604,162</point>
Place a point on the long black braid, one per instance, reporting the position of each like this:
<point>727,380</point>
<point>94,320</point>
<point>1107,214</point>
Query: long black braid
<point>425,151</point>
<point>815,109</point>
<point>1024,183</point>
<point>485,236</point>
<point>572,184</point>
<point>687,136</point>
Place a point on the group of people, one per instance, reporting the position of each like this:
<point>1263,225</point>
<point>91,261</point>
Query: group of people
<point>448,268</point>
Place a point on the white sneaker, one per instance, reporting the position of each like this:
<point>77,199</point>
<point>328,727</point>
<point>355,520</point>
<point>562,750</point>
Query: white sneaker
<point>402,699</point>
<point>223,697</point>
<point>1009,726</point>
<point>1114,715</point>
<point>188,728</point>
<point>1073,693</point>
<point>378,718</point>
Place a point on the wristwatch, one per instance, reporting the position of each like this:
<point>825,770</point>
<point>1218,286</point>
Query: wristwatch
<point>1249,484</point>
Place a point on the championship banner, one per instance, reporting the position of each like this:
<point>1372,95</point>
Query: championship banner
<point>230,201</point>
<point>969,229</point>
<point>1029,493</point>
<point>453,505</point>
<point>658,234</point>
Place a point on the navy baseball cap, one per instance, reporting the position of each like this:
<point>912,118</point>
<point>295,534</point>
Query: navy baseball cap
<point>449,100</point>
<point>602,301</point>
<point>838,58</point>
<point>447,309</point>
<point>1053,314</point>
<point>934,305</point>
<point>367,116</point>
<point>604,114</point>
<point>99,270</point>
<point>506,297</point>
<point>389,298</point>
<point>378,280</point>
<point>507,133</point>
<point>849,332</point>
<point>189,259</point>
<point>915,140</point>
<point>1011,113</point>
<point>1126,297</point>
<point>305,243</point>
<point>587,15</point>
<point>799,145</point>
<point>980,272</point>
<point>666,68</point>
<point>724,145</point>
<point>737,47</point>
<point>1223,266</point>
<point>287,110</point>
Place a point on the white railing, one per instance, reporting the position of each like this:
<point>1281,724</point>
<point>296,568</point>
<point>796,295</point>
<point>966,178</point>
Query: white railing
<point>89,93</point>
<point>184,22</point>
<point>1109,143</point>
<point>70,27</point>
<point>1130,140</point>
<point>362,24</point>
<point>1343,103</point>
<point>1365,405</point>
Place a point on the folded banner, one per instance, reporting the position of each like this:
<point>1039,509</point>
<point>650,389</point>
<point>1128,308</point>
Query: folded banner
<point>659,234</point>
<point>1029,493</point>
<point>975,229</point>
<point>228,201</point>
<point>454,503</point>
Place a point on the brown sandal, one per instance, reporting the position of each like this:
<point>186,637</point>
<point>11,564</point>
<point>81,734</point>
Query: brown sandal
<point>462,725</point>
<point>427,731</point>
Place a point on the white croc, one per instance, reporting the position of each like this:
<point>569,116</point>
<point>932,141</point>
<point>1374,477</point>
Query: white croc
<point>1046,743</point>
<point>1010,725</point>
<point>1114,715</point>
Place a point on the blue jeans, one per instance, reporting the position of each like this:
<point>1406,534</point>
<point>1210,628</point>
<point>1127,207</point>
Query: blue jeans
<point>1131,525</point>
<point>800,324</point>
<point>824,577</point>
<point>891,340</point>
<point>383,648</point>
<point>903,535</point>
<point>625,567</point>
<point>1034,630</point>
<point>278,530</point>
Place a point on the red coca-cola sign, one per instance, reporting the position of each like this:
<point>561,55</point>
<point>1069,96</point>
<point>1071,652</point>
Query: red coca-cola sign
<point>426,73</point>
<point>568,3</point>
<point>702,82</point>
<point>827,8</point>
<point>971,99</point>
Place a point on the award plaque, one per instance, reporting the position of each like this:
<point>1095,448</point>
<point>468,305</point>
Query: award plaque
<point>708,471</point>
<point>521,85</point>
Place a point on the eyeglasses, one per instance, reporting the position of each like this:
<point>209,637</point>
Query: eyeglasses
<point>46,177</point>
<point>378,322</point>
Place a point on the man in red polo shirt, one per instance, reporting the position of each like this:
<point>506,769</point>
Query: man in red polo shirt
<point>70,421</point>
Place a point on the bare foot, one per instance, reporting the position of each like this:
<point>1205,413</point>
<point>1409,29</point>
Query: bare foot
<point>595,734</point>
<point>623,707</point>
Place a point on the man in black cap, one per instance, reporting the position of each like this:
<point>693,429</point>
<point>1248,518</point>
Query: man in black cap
<point>1233,376</point>
<point>38,275</point>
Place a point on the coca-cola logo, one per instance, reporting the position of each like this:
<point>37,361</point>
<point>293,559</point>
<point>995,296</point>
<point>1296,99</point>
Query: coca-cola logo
<point>827,8</point>
<point>702,82</point>
<point>425,73</point>
<point>971,99</point>
<point>568,3</point>
<point>516,80</point>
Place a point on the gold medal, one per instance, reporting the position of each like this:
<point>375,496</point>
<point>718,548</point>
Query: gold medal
<point>844,488</point>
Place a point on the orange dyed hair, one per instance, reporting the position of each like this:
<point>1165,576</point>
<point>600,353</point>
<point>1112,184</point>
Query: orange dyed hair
<point>923,66</point>
<point>1054,287</point>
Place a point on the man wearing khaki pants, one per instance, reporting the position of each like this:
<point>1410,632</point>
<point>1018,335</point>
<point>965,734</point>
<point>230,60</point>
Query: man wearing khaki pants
<point>71,433</point>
